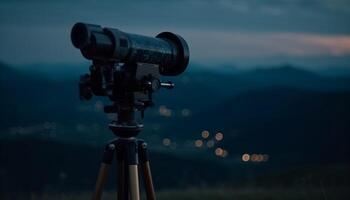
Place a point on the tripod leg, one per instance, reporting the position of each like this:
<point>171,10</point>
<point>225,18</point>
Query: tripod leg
<point>134,183</point>
<point>146,170</point>
<point>101,180</point>
<point>122,190</point>
<point>132,162</point>
<point>103,173</point>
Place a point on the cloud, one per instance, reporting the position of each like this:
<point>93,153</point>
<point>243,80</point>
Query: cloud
<point>253,15</point>
<point>334,45</point>
<point>219,45</point>
<point>217,30</point>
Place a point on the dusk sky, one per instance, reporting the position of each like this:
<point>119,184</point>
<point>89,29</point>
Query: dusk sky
<point>240,32</point>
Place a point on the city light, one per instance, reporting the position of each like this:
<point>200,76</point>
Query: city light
<point>210,144</point>
<point>245,157</point>
<point>198,143</point>
<point>166,142</point>
<point>260,158</point>
<point>255,157</point>
<point>219,151</point>
<point>164,111</point>
<point>185,112</point>
<point>205,134</point>
<point>219,136</point>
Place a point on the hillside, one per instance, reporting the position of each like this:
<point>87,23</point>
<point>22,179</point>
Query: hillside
<point>282,101</point>
<point>291,124</point>
<point>300,119</point>
<point>35,167</point>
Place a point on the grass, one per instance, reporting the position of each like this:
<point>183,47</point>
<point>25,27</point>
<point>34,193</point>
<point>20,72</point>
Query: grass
<point>218,194</point>
<point>256,194</point>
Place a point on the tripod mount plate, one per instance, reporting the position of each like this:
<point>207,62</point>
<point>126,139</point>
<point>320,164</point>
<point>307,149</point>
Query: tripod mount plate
<point>125,130</point>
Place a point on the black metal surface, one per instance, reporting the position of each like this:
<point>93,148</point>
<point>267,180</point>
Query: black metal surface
<point>143,152</point>
<point>108,153</point>
<point>168,50</point>
<point>122,173</point>
<point>126,68</point>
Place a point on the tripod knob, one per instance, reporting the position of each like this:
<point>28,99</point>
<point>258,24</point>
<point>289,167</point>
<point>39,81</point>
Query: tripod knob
<point>167,85</point>
<point>155,84</point>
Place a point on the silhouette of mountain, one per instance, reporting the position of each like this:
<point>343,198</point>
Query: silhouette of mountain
<point>289,76</point>
<point>282,71</point>
<point>294,126</point>
<point>33,99</point>
<point>296,117</point>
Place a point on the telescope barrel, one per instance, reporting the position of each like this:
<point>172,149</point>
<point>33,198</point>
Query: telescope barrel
<point>168,50</point>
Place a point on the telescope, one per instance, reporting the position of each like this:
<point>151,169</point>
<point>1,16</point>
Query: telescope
<point>168,50</point>
<point>127,68</point>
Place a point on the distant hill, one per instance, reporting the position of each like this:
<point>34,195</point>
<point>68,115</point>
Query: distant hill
<point>30,98</point>
<point>292,125</point>
<point>299,118</point>
<point>289,76</point>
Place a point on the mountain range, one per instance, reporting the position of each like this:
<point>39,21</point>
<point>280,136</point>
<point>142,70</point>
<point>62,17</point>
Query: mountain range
<point>296,117</point>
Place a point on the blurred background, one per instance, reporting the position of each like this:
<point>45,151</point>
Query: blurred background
<point>261,113</point>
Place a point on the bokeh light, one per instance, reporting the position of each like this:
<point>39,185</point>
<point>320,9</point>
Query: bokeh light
<point>198,143</point>
<point>164,111</point>
<point>185,112</point>
<point>219,151</point>
<point>255,157</point>
<point>245,157</point>
<point>260,158</point>
<point>205,134</point>
<point>210,144</point>
<point>219,136</point>
<point>166,142</point>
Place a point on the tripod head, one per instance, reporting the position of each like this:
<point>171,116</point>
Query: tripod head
<point>128,86</point>
<point>127,68</point>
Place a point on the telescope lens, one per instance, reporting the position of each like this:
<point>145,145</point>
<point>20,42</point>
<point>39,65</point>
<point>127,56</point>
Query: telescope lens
<point>182,54</point>
<point>80,35</point>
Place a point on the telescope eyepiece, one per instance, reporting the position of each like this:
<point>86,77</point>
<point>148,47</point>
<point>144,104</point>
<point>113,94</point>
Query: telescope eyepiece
<point>80,35</point>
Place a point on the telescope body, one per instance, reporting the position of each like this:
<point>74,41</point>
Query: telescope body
<point>167,50</point>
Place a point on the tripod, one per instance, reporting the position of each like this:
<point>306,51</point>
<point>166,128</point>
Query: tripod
<point>126,68</point>
<point>131,155</point>
<point>130,87</point>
